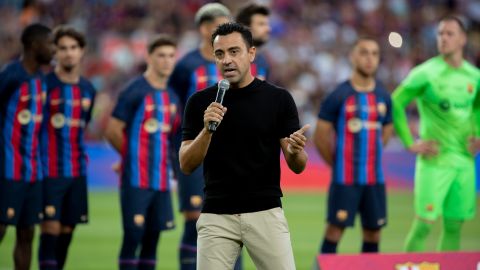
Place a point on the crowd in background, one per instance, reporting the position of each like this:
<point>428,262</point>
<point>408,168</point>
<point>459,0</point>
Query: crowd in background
<point>308,49</point>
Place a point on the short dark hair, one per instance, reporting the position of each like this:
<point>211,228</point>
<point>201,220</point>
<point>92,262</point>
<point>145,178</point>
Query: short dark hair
<point>230,27</point>
<point>364,38</point>
<point>34,32</point>
<point>246,13</point>
<point>456,19</point>
<point>68,31</point>
<point>159,41</point>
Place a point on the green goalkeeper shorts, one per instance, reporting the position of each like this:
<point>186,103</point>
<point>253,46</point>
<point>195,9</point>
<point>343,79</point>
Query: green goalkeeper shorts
<point>445,191</point>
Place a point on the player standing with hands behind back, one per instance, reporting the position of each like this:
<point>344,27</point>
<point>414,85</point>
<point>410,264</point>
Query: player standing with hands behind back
<point>358,113</point>
<point>241,159</point>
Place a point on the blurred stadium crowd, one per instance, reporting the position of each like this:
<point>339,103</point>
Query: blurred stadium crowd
<point>308,49</point>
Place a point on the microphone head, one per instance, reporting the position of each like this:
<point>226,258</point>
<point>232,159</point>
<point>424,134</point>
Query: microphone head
<point>224,84</point>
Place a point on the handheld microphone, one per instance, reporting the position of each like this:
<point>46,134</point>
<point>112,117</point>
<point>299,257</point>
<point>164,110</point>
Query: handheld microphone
<point>223,86</point>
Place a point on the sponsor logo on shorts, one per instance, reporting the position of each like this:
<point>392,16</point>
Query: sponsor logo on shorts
<point>196,200</point>
<point>470,88</point>
<point>10,213</point>
<point>342,215</point>
<point>429,207</point>
<point>40,215</point>
<point>170,224</point>
<point>84,218</point>
<point>50,210</point>
<point>139,220</point>
<point>381,222</point>
<point>417,266</point>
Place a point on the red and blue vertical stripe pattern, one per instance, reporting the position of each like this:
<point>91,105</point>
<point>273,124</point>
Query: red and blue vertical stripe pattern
<point>146,155</point>
<point>204,76</point>
<point>359,140</point>
<point>20,131</point>
<point>68,111</point>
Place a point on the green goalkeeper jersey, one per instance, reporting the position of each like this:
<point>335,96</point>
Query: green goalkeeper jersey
<point>448,102</point>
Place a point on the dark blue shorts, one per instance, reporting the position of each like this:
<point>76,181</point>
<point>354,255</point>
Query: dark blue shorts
<point>65,200</point>
<point>20,203</point>
<point>190,190</point>
<point>146,208</point>
<point>369,201</point>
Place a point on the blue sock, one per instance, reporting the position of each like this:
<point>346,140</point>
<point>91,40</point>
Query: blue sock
<point>46,252</point>
<point>128,254</point>
<point>188,246</point>
<point>62,248</point>
<point>369,247</point>
<point>148,254</point>
<point>328,246</point>
<point>239,263</point>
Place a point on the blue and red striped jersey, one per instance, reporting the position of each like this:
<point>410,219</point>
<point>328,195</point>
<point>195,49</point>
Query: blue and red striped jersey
<point>151,117</point>
<point>358,118</point>
<point>260,67</point>
<point>68,110</point>
<point>22,96</point>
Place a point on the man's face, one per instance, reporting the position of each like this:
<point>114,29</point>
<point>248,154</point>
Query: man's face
<point>207,28</point>
<point>44,50</point>
<point>260,27</point>
<point>68,53</point>
<point>450,37</point>
<point>365,57</point>
<point>233,58</point>
<point>162,60</point>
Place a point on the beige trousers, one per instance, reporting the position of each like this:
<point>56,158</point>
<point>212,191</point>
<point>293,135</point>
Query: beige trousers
<point>264,234</point>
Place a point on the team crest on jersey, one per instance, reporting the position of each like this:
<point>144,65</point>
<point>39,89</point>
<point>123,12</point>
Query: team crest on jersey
<point>50,210</point>
<point>382,108</point>
<point>196,200</point>
<point>57,120</point>
<point>354,125</point>
<point>151,125</point>
<point>417,266</point>
<point>10,213</point>
<point>86,103</point>
<point>139,220</point>
<point>342,215</point>
<point>24,117</point>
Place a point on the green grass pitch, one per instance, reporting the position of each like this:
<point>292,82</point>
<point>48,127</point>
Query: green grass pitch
<point>96,245</point>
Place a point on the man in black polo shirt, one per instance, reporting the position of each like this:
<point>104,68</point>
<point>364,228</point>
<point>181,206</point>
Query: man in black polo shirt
<point>242,159</point>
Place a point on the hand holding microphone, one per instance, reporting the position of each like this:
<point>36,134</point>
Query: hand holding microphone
<point>214,113</point>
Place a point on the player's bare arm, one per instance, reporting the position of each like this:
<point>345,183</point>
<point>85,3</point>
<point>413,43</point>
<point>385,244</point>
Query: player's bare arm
<point>387,132</point>
<point>323,139</point>
<point>192,152</point>
<point>114,133</point>
<point>293,148</point>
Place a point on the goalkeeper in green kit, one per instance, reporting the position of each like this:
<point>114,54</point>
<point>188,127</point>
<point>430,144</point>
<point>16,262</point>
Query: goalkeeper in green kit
<point>446,89</point>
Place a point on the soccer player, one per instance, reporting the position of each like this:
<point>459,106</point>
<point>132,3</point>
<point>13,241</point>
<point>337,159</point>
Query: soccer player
<point>141,130</point>
<point>256,17</point>
<point>446,89</point>
<point>22,96</point>
<point>242,162</point>
<point>194,72</point>
<point>353,124</point>
<point>68,109</point>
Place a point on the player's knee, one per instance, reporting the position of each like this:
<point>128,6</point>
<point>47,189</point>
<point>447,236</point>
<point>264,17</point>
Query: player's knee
<point>334,232</point>
<point>191,215</point>
<point>51,227</point>
<point>371,236</point>
<point>452,226</point>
